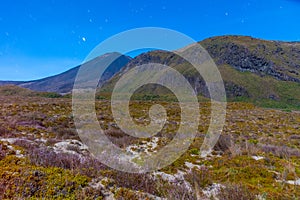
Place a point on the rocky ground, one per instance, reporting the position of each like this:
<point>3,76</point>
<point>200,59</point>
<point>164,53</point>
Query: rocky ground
<point>41,155</point>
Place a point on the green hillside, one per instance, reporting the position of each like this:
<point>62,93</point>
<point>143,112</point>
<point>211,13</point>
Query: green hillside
<point>265,73</point>
<point>12,90</point>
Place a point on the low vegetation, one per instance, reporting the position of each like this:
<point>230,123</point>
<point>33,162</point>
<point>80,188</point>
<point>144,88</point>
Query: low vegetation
<point>41,155</point>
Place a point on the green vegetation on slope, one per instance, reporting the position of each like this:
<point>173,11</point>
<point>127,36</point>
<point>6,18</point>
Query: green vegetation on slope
<point>12,90</point>
<point>265,73</point>
<point>264,91</point>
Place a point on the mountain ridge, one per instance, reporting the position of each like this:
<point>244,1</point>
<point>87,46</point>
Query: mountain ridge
<point>263,72</point>
<point>266,73</point>
<point>63,83</point>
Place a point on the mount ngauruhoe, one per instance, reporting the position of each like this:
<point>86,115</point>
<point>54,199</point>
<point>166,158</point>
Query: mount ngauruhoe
<point>266,73</point>
<point>63,83</point>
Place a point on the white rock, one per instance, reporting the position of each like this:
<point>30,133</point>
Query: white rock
<point>191,165</point>
<point>67,145</point>
<point>146,147</point>
<point>293,182</point>
<point>257,157</point>
<point>174,178</point>
<point>213,190</point>
<point>9,140</point>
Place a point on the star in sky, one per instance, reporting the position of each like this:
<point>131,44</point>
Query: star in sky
<point>33,33</point>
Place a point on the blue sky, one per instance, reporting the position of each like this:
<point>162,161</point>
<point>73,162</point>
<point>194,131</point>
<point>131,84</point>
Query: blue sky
<point>39,38</point>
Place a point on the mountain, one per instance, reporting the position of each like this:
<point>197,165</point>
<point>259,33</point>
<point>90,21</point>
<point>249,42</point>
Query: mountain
<point>63,83</point>
<point>266,73</point>
<point>280,60</point>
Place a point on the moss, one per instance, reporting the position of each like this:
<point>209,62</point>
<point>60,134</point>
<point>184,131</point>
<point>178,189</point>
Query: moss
<point>259,176</point>
<point>124,193</point>
<point>23,180</point>
<point>253,141</point>
<point>194,151</point>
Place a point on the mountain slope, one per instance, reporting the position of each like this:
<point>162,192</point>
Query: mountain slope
<point>266,73</point>
<point>63,83</point>
<point>263,72</point>
<point>16,91</point>
<point>280,60</point>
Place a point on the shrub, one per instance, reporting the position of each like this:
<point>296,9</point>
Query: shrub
<point>119,138</point>
<point>199,177</point>
<point>280,151</point>
<point>140,182</point>
<point>236,191</point>
<point>223,143</point>
<point>2,152</point>
<point>176,192</point>
<point>48,158</point>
